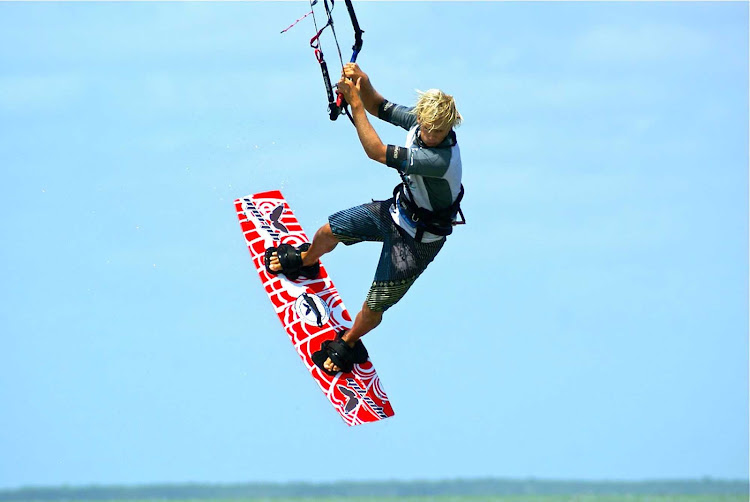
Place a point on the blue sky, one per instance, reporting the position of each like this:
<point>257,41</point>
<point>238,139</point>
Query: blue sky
<point>590,322</point>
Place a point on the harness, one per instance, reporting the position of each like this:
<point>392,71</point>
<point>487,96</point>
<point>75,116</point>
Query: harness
<point>438,222</point>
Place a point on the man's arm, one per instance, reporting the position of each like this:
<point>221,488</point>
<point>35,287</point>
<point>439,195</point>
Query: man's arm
<point>374,147</point>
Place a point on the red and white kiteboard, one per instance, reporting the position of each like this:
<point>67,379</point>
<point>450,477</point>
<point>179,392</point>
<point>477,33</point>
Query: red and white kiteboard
<point>267,221</point>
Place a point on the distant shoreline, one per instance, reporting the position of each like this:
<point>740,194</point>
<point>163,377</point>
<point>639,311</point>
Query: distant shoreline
<point>457,487</point>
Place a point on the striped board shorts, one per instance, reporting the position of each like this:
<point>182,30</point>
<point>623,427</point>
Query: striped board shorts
<point>402,259</point>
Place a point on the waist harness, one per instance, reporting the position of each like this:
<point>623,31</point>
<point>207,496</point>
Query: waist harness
<point>438,222</point>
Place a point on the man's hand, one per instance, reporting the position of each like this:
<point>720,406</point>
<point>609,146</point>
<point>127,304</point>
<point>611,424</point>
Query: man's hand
<point>369,96</point>
<point>351,91</point>
<point>354,72</point>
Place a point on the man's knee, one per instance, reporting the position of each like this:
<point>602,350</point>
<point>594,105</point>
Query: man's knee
<point>326,233</point>
<point>370,313</point>
<point>385,294</point>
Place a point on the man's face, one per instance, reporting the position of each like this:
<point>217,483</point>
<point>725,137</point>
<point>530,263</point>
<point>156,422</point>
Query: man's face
<point>432,136</point>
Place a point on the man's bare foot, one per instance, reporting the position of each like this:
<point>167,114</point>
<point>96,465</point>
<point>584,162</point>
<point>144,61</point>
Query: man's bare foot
<point>329,364</point>
<point>275,264</point>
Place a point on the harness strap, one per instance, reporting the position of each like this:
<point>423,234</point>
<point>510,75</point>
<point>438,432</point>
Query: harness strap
<point>438,222</point>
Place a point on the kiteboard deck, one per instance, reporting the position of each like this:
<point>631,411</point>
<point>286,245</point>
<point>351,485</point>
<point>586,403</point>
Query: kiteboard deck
<point>267,220</point>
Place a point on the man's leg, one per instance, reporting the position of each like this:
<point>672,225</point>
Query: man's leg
<point>401,263</point>
<point>365,321</point>
<point>323,242</point>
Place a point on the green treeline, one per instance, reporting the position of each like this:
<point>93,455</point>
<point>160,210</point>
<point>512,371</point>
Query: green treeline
<point>481,487</point>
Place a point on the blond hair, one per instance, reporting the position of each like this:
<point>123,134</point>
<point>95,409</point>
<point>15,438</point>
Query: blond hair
<point>437,110</point>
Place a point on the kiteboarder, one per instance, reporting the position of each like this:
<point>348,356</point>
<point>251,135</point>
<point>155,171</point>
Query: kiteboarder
<point>412,225</point>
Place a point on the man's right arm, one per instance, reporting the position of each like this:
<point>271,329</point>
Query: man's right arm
<point>376,104</point>
<point>371,98</point>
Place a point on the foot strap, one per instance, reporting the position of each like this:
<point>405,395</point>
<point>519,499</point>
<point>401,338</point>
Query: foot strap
<point>341,354</point>
<point>290,259</point>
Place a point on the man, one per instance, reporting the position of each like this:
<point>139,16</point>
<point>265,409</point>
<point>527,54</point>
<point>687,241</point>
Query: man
<point>412,225</point>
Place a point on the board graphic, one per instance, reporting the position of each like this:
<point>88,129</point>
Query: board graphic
<point>310,310</point>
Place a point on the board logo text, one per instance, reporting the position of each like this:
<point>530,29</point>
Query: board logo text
<point>363,394</point>
<point>275,217</point>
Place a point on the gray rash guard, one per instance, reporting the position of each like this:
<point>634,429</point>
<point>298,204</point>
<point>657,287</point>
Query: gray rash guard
<point>434,173</point>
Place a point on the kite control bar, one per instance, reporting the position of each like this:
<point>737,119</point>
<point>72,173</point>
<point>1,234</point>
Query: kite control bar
<point>336,105</point>
<point>357,31</point>
<point>340,101</point>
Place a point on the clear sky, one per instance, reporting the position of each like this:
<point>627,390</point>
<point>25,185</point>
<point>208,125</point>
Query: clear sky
<point>591,320</point>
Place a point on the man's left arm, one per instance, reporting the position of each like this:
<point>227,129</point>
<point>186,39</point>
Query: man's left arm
<point>374,147</point>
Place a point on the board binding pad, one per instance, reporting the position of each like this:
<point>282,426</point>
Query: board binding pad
<point>267,221</point>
